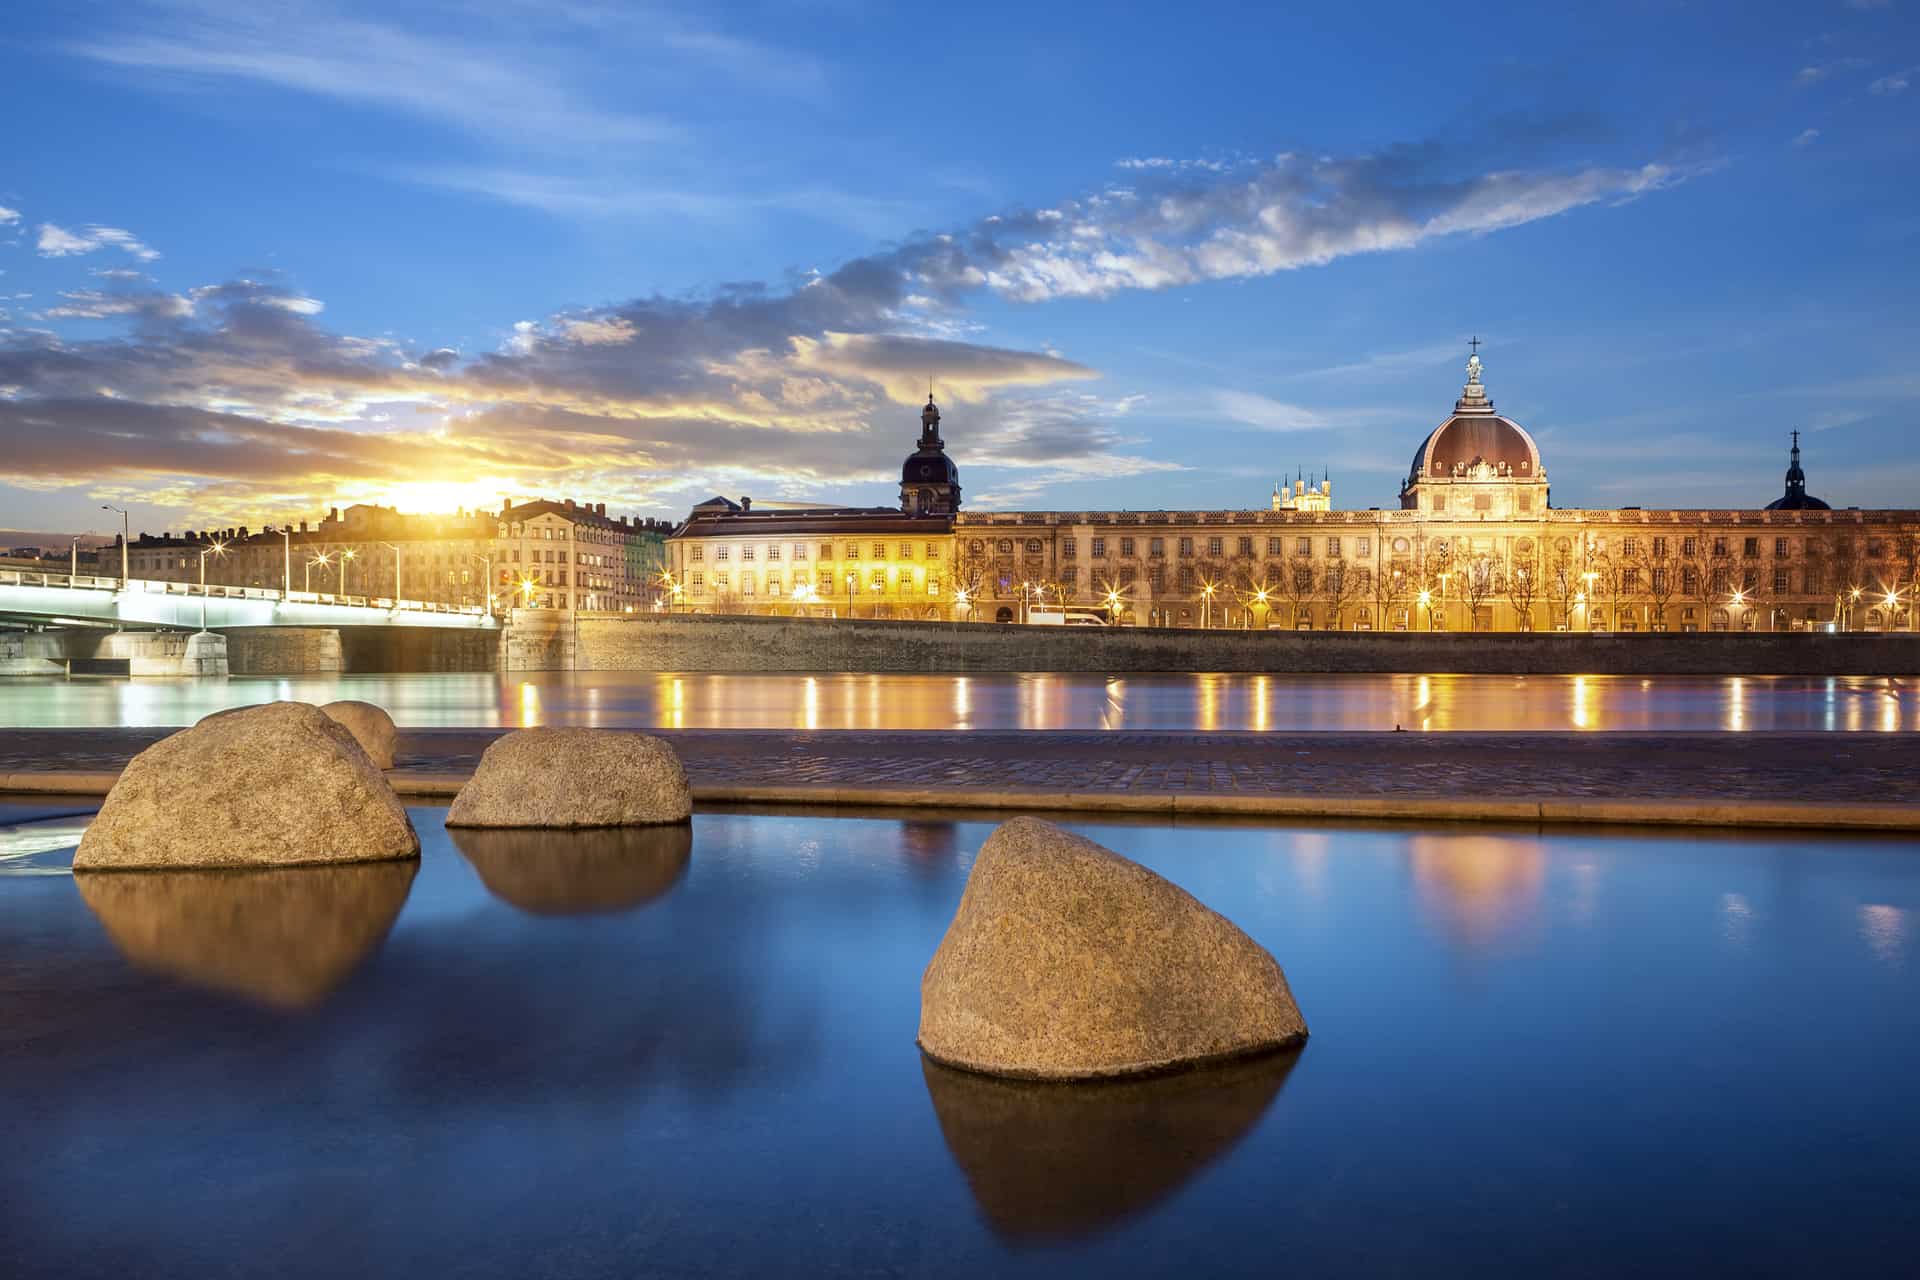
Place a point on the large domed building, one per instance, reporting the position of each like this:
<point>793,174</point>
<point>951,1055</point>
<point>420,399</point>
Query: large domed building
<point>1476,462</point>
<point>1473,544</point>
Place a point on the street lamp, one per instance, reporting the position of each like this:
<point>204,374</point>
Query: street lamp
<point>346,557</point>
<point>1113,606</point>
<point>1738,600</point>
<point>1206,605</point>
<point>960,601</point>
<point>125,534</point>
<point>853,580</point>
<point>212,549</point>
<point>1260,598</point>
<point>1425,601</point>
<point>322,558</point>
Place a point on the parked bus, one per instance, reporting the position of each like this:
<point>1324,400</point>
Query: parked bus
<point>1066,618</point>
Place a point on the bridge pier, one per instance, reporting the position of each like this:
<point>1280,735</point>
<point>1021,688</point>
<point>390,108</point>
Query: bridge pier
<point>285,651</point>
<point>80,651</point>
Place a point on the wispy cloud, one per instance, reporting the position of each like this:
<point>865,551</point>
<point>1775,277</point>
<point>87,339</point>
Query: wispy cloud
<point>8,216</point>
<point>1898,82</point>
<point>1267,414</point>
<point>57,242</point>
<point>1819,72</point>
<point>1806,138</point>
<point>89,304</point>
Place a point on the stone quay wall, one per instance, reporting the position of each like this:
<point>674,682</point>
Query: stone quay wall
<point>708,643</point>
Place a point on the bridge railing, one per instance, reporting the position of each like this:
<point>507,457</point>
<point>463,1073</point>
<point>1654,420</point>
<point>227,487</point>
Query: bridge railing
<point>216,591</point>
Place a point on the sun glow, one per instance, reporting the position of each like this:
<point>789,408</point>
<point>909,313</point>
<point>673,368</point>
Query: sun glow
<point>435,497</point>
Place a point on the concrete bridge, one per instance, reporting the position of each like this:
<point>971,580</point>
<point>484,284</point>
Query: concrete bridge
<point>59,599</point>
<point>145,627</point>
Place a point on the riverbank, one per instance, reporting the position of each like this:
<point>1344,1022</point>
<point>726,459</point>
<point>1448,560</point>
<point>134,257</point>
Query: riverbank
<point>1864,782</point>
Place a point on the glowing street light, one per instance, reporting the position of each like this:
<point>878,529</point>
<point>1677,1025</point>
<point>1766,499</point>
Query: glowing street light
<point>346,558</point>
<point>126,525</point>
<point>1206,605</point>
<point>212,549</point>
<point>962,601</point>
<point>324,559</point>
<point>527,587</point>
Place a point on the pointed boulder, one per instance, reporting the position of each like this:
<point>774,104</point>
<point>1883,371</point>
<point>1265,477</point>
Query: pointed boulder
<point>370,726</point>
<point>574,778</point>
<point>1065,961</point>
<point>275,785</point>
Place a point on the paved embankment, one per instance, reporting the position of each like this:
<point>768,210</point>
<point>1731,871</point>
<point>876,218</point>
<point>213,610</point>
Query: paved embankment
<point>712,643</point>
<point>1840,781</point>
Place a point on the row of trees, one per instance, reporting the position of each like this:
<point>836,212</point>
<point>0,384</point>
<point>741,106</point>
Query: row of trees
<point>1573,589</point>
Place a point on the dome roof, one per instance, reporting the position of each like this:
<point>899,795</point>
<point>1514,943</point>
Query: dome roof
<point>1467,438</point>
<point>929,466</point>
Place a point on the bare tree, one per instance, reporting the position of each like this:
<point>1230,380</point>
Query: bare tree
<point>1391,588</point>
<point>1294,582</point>
<point>1523,588</point>
<point>1562,585</point>
<point>1659,579</point>
<point>1480,577</point>
<point>1340,586</point>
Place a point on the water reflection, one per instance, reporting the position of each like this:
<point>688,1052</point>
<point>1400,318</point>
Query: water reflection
<point>284,938</point>
<point>1479,886</point>
<point>565,873</point>
<point>1056,1162</point>
<point>1057,700</point>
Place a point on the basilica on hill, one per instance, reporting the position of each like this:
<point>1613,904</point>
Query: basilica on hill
<point>1474,543</point>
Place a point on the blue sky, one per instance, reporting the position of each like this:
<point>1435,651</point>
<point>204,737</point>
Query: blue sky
<point>261,259</point>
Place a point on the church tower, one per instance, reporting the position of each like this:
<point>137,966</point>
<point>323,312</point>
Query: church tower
<point>929,482</point>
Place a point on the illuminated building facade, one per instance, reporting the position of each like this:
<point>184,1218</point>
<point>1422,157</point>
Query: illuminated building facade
<point>1473,544</point>
<point>541,555</point>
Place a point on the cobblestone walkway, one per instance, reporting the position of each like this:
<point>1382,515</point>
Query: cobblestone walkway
<point>1829,767</point>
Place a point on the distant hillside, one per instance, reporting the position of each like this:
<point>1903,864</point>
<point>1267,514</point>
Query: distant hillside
<point>11,538</point>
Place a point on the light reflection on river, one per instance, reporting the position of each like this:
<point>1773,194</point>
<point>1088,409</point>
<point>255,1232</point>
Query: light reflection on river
<point>631,699</point>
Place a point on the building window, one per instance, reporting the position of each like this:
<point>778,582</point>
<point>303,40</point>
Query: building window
<point>1157,578</point>
<point>1126,547</point>
<point>878,582</point>
<point>1276,547</point>
<point>1186,577</point>
<point>1157,547</point>
<point>1186,546</point>
<point>1483,502</point>
<point>1875,549</point>
<point>1780,547</point>
<point>1780,582</point>
<point>1439,502</point>
<point>719,553</point>
<point>825,580</point>
<point>1066,549</point>
<point>1660,581</point>
<point>976,546</point>
<point>1659,548</point>
<point>1033,546</point>
<point>826,551</point>
<point>1630,580</point>
<point>773,551</point>
<point>1005,546</point>
<point>933,584</point>
<point>799,551</point>
<point>906,551</point>
<point>1213,546</point>
<point>746,584</point>
<point>1333,548</point>
<point>933,550</point>
<point>1751,548</point>
<point>1099,548</point>
<point>773,584</point>
<point>746,553</point>
<point>1689,546</point>
<point>1690,580</point>
<point>698,554</point>
<point>1719,546</point>
<point>1363,546</point>
<point>699,583</point>
<point>1069,577</point>
<point>1246,546</point>
<point>721,581</point>
<point>1629,546</point>
<point>1524,501</point>
<point>879,551</point>
<point>1303,546</point>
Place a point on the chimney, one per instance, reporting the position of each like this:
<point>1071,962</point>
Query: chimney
<point>569,504</point>
<point>334,515</point>
<point>600,508</point>
<point>303,526</point>
<point>746,503</point>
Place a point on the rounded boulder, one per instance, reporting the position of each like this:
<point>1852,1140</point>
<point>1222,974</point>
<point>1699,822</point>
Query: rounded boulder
<point>275,785</point>
<point>570,778</point>
<point>1066,961</point>
<point>370,726</point>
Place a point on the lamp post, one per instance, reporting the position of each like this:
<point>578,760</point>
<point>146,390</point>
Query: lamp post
<point>324,560</point>
<point>1206,605</point>
<point>286,568</point>
<point>960,603</point>
<point>1853,598</point>
<point>1738,600</point>
<point>74,572</point>
<point>1425,601</point>
<point>213,549</point>
<point>1589,576</point>
<point>126,524</point>
<point>852,580</point>
<point>1443,602</point>
<point>396,573</point>
<point>346,558</point>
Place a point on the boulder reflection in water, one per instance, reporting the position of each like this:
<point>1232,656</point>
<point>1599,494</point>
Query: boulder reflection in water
<point>578,872</point>
<point>285,938</point>
<point>1060,1161</point>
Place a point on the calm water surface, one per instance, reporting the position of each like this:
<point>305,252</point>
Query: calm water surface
<point>1035,701</point>
<point>643,1054</point>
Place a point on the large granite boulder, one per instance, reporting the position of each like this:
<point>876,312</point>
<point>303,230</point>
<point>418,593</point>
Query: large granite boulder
<point>1050,1162</point>
<point>1066,961</point>
<point>370,726</point>
<point>285,938</point>
<point>565,873</point>
<point>574,778</point>
<point>274,785</point>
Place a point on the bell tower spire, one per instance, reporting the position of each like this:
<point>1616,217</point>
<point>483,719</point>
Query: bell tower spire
<point>929,482</point>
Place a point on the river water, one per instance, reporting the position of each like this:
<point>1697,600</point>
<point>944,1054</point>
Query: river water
<point>623,699</point>
<point>585,1055</point>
